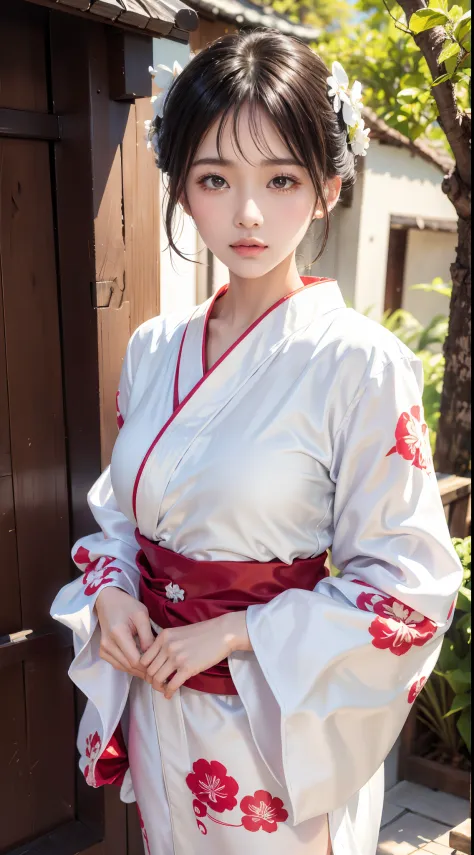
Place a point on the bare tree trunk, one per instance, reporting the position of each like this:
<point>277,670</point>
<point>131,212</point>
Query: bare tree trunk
<point>453,447</point>
<point>453,444</point>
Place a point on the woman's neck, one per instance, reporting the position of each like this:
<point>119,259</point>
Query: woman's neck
<point>247,299</point>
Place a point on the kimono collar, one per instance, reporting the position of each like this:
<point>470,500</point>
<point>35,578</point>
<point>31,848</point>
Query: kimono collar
<point>200,395</point>
<point>315,298</point>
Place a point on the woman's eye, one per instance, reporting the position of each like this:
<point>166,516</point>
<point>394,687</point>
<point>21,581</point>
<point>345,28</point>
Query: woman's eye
<point>212,182</point>
<point>217,182</point>
<point>283,182</point>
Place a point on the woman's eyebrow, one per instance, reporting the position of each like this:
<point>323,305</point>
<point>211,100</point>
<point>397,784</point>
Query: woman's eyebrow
<point>270,161</point>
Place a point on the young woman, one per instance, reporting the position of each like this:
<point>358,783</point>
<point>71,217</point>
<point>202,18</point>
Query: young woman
<point>245,698</point>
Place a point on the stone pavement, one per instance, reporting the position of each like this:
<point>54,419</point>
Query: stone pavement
<point>419,820</point>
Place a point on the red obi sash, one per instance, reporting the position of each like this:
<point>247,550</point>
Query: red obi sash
<point>178,591</point>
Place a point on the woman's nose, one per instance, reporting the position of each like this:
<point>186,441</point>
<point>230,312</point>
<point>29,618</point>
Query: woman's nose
<point>248,215</point>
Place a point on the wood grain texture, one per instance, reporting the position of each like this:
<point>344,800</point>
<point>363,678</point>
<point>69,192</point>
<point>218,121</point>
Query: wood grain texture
<point>5,455</point>
<point>10,609</point>
<point>460,838</point>
<point>75,236</point>
<point>50,722</point>
<point>141,205</point>
<point>397,250</point>
<point>34,368</point>
<point>15,815</point>
<point>23,80</point>
<point>114,333</point>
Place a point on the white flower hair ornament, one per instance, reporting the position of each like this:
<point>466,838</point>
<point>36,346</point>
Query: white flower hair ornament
<point>350,100</point>
<point>163,78</point>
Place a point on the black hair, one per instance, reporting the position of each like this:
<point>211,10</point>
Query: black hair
<point>265,70</point>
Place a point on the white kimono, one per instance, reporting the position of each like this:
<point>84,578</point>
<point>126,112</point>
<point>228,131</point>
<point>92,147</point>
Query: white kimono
<point>307,434</point>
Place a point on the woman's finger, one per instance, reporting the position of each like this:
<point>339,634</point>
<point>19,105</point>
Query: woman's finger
<point>126,643</point>
<point>144,629</point>
<point>162,675</point>
<point>112,652</point>
<point>174,684</point>
<point>156,665</point>
<point>116,658</point>
<point>147,658</point>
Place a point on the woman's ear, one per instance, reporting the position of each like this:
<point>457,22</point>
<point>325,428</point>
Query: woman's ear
<point>333,191</point>
<point>184,204</point>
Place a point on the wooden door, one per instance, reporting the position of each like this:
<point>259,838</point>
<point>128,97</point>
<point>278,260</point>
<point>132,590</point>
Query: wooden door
<point>396,261</point>
<point>37,709</point>
<point>49,434</point>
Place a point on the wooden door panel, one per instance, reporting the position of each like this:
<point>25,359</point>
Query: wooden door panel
<point>51,741</point>
<point>10,613</point>
<point>23,57</point>
<point>34,369</point>
<point>14,808</point>
<point>5,459</point>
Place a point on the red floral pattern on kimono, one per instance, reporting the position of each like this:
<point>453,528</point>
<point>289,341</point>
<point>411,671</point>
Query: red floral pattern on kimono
<point>96,573</point>
<point>211,784</point>
<point>108,766</point>
<point>120,419</point>
<point>416,689</point>
<point>262,812</point>
<point>144,831</point>
<point>397,627</point>
<point>216,791</point>
<point>93,746</point>
<point>412,440</point>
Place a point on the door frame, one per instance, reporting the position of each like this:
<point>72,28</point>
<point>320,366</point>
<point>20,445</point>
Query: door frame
<point>101,823</point>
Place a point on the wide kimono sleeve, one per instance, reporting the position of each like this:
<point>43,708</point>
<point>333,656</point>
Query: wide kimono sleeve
<point>106,558</point>
<point>345,662</point>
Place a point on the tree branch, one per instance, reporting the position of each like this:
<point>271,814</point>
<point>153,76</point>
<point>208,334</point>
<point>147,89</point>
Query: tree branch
<point>398,23</point>
<point>454,124</point>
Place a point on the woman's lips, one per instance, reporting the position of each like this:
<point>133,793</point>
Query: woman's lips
<point>249,251</point>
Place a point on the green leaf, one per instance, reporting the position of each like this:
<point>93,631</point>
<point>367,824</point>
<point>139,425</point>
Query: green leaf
<point>435,332</point>
<point>460,702</point>
<point>458,680</point>
<point>450,50</point>
<point>464,727</point>
<point>437,286</point>
<point>463,27</point>
<point>464,600</point>
<point>443,79</point>
<point>426,19</point>
<point>464,625</point>
<point>455,13</point>
<point>447,659</point>
<point>408,96</point>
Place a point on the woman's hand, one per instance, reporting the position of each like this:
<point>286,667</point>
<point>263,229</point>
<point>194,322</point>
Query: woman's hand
<point>122,620</point>
<point>190,650</point>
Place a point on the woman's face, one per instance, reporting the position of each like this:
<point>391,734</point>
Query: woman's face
<point>264,196</point>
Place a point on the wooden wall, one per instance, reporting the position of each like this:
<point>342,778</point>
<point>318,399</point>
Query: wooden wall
<point>208,31</point>
<point>126,228</point>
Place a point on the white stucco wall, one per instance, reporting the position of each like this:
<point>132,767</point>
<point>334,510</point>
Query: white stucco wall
<point>396,182</point>
<point>429,254</point>
<point>178,278</point>
<point>339,259</point>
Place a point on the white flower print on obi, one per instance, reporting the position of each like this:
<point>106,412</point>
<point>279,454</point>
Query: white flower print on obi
<point>175,593</point>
